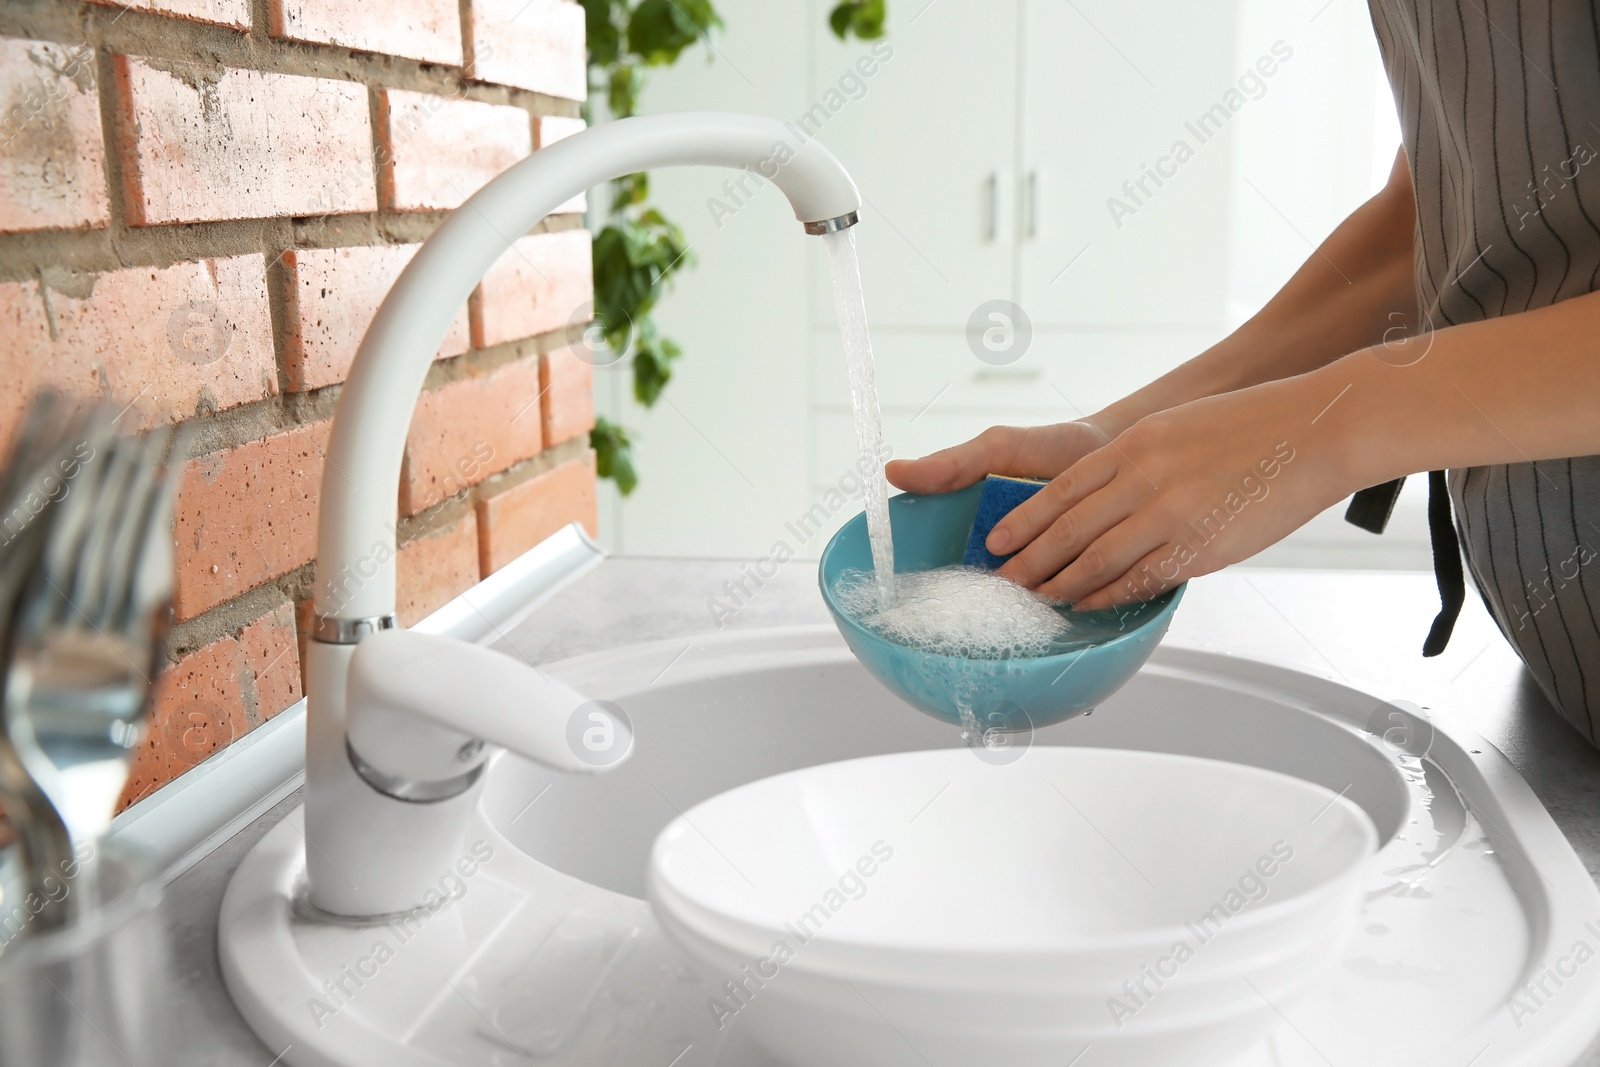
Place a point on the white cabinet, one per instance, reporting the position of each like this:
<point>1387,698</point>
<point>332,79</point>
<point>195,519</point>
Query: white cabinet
<point>990,142</point>
<point>1124,216</point>
<point>930,138</point>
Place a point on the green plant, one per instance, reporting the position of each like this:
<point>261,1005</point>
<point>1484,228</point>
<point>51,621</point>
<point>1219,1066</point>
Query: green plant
<point>863,18</point>
<point>637,250</point>
<point>613,454</point>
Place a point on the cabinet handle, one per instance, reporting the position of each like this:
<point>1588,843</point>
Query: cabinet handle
<point>1030,200</point>
<point>992,187</point>
<point>1007,375</point>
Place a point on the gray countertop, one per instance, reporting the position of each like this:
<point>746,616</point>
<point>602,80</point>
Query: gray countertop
<point>1364,628</point>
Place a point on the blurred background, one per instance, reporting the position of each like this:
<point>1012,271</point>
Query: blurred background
<point>1000,147</point>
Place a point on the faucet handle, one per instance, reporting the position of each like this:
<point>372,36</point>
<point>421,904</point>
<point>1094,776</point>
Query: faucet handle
<point>419,708</point>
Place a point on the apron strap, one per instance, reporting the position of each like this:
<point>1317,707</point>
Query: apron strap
<point>1446,564</point>
<point>1370,509</point>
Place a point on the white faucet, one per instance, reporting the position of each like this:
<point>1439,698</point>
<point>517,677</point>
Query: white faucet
<point>396,721</point>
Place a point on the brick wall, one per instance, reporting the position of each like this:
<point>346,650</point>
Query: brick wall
<point>202,203</point>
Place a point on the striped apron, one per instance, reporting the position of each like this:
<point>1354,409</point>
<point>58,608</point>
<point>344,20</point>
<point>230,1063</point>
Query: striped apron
<point>1499,104</point>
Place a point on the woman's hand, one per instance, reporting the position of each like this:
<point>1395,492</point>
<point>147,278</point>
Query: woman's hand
<point>1181,493</point>
<point>1039,452</point>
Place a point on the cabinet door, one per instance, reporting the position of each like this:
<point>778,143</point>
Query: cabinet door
<point>1126,160</point>
<point>929,136</point>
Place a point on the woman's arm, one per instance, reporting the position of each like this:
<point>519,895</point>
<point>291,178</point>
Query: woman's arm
<point>1506,390</point>
<point>1356,290</point>
<point>1191,489</point>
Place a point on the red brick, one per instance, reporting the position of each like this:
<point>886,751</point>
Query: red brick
<point>272,655</point>
<point>566,395</point>
<point>334,293</point>
<point>213,696</point>
<point>542,283</point>
<point>234,13</point>
<point>435,567</point>
<point>197,710</point>
<point>469,429</point>
<point>245,515</point>
<point>52,162</point>
<point>514,521</point>
<point>145,337</point>
<point>241,145</point>
<point>418,29</point>
<point>548,129</point>
<point>532,44</point>
<point>437,152</point>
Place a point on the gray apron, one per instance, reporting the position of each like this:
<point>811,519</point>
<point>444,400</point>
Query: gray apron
<point>1499,104</point>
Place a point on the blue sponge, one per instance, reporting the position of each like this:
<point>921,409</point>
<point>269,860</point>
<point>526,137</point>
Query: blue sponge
<point>1000,495</point>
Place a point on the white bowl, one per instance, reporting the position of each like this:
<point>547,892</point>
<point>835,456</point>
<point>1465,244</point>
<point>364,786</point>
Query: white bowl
<point>1141,1003</point>
<point>1161,987</point>
<point>980,907</point>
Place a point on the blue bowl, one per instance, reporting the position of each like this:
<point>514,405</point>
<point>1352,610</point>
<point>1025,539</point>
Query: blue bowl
<point>1010,695</point>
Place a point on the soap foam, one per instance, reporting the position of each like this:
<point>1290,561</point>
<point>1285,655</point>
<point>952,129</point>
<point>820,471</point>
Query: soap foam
<point>956,611</point>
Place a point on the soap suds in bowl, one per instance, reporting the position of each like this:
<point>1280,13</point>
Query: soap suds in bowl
<point>957,611</point>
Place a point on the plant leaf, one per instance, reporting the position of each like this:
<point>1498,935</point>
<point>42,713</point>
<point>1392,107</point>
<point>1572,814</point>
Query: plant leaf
<point>864,18</point>
<point>622,90</point>
<point>601,25</point>
<point>652,366</point>
<point>613,451</point>
<point>630,190</point>
<point>659,30</point>
<point>633,259</point>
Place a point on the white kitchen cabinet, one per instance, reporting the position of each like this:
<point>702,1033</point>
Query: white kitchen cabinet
<point>990,142</point>
<point>1116,95</point>
<point>931,142</point>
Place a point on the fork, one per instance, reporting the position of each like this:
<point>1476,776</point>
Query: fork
<point>87,636</point>
<point>43,842</point>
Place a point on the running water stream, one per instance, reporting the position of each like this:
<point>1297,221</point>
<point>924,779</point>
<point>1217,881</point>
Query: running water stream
<point>851,306</point>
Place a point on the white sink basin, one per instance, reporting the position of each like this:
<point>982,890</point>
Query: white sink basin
<point>732,710</point>
<point>550,955</point>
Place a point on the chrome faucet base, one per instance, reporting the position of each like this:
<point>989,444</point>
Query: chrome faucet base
<point>834,225</point>
<point>334,630</point>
